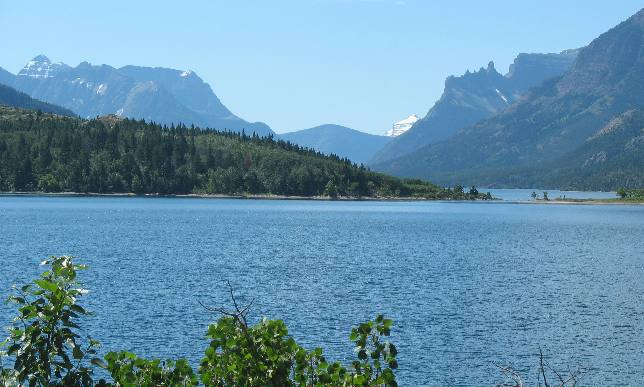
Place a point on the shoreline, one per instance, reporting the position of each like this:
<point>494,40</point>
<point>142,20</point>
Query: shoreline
<point>615,201</point>
<point>583,202</point>
<point>224,196</point>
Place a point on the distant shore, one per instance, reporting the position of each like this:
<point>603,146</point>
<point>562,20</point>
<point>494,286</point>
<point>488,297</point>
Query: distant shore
<point>223,196</point>
<point>616,201</point>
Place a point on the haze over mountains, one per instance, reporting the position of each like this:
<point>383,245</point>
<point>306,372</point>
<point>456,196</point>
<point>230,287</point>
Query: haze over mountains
<point>346,142</point>
<point>155,94</point>
<point>339,140</point>
<point>12,97</point>
<point>580,130</point>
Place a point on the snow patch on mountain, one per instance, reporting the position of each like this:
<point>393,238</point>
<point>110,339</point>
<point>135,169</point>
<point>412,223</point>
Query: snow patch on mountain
<point>402,126</point>
<point>101,89</point>
<point>501,95</point>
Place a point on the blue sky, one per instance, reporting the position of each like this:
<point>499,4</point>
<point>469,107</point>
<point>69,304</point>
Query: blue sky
<point>300,63</point>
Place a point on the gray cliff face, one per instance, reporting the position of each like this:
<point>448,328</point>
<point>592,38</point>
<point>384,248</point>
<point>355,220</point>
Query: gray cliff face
<point>155,94</point>
<point>529,70</point>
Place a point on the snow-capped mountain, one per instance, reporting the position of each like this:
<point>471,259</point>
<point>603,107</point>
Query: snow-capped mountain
<point>402,126</point>
<point>42,67</point>
<point>161,95</point>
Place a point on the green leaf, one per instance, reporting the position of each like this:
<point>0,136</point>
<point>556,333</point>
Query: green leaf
<point>78,353</point>
<point>44,284</point>
<point>99,363</point>
<point>78,309</point>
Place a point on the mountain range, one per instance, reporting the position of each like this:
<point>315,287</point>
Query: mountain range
<point>582,129</point>
<point>473,97</point>
<point>162,95</point>
<point>572,119</point>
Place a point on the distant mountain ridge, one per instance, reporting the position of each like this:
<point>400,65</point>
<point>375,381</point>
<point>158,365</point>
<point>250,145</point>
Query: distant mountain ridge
<point>559,135</point>
<point>345,142</point>
<point>162,95</point>
<point>475,96</point>
<point>13,98</point>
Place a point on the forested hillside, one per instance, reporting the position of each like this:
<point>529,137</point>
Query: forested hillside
<point>44,152</point>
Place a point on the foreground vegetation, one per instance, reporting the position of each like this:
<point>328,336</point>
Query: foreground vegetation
<point>46,348</point>
<point>49,153</point>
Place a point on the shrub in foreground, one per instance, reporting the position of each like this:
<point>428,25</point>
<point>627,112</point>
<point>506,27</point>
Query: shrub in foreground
<point>46,348</point>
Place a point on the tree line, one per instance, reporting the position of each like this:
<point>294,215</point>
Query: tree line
<point>48,153</point>
<point>632,194</point>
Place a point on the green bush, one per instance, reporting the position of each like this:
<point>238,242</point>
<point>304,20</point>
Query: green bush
<point>635,194</point>
<point>47,349</point>
<point>44,338</point>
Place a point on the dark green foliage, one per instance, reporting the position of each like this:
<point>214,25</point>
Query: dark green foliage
<point>241,355</point>
<point>46,348</point>
<point>632,194</point>
<point>41,152</point>
<point>127,369</point>
<point>377,358</point>
<point>44,338</point>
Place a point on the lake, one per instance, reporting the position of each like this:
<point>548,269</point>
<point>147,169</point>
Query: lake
<point>469,285</point>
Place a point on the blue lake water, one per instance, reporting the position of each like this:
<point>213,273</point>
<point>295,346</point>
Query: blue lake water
<point>469,285</point>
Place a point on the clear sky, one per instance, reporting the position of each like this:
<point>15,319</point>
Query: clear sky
<point>301,63</point>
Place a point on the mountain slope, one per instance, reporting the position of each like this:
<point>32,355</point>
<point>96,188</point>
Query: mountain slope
<point>339,140</point>
<point>155,94</point>
<point>6,78</point>
<point>612,157</point>
<point>476,96</point>
<point>556,119</point>
<point>12,97</point>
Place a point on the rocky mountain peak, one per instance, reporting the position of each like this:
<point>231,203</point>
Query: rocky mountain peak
<point>41,67</point>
